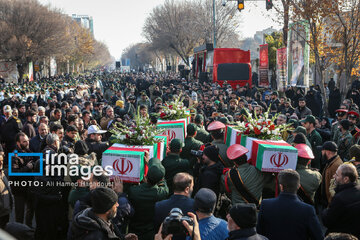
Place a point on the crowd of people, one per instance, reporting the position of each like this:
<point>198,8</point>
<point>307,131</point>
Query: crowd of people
<point>223,196</point>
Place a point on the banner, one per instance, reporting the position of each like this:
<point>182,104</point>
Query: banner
<point>264,66</point>
<point>298,54</point>
<point>8,71</point>
<point>281,67</point>
<point>31,71</point>
<point>53,67</point>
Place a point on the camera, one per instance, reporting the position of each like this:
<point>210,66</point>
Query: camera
<point>173,223</point>
<point>197,153</point>
<point>223,2</point>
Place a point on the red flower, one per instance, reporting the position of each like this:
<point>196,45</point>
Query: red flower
<point>247,132</point>
<point>171,106</point>
<point>127,136</point>
<point>257,131</point>
<point>272,127</point>
<point>162,115</point>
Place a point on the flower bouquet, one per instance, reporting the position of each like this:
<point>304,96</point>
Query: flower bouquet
<point>174,110</point>
<point>141,132</point>
<point>261,127</point>
<point>267,151</point>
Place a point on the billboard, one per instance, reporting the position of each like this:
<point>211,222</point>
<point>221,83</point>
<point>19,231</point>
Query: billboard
<point>298,54</point>
<point>264,66</point>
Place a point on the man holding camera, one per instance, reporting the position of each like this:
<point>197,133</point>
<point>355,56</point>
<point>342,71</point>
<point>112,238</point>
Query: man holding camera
<point>183,187</point>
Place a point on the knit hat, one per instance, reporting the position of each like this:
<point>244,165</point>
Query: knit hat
<point>81,148</point>
<point>205,200</point>
<point>103,199</point>
<point>212,152</point>
<point>244,215</point>
<point>191,129</point>
<point>155,174</point>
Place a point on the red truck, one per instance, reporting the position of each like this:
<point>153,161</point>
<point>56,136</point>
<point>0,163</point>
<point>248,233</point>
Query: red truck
<point>220,64</point>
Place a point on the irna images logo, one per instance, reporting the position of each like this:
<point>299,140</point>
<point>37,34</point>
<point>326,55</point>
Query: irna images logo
<point>16,153</point>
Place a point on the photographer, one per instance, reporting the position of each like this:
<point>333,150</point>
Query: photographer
<point>193,230</point>
<point>210,169</point>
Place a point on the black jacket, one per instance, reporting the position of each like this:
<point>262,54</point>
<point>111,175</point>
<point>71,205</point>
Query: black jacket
<point>343,212</point>
<point>96,147</point>
<point>210,177</point>
<point>245,234</point>
<point>87,226</point>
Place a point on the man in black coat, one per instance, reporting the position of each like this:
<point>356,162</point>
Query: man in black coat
<point>211,171</point>
<point>286,217</point>
<point>94,222</point>
<point>183,187</point>
<point>343,212</point>
<point>242,222</point>
<point>36,141</point>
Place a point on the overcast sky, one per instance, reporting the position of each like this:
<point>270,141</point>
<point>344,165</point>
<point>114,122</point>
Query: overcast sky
<point>119,23</point>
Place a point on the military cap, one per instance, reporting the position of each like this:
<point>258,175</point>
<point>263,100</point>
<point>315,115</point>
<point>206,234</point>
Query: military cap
<point>158,99</point>
<point>341,110</point>
<point>154,161</point>
<point>224,120</point>
<point>309,118</point>
<point>216,125</point>
<point>176,144</point>
<point>300,129</point>
<point>353,114</point>
<point>235,151</point>
<point>192,111</point>
<point>304,151</point>
<point>191,129</point>
<point>199,118</point>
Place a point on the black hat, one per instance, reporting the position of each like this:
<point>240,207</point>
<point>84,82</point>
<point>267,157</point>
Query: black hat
<point>81,148</point>
<point>212,152</point>
<point>330,146</point>
<point>244,215</point>
<point>205,200</point>
<point>103,199</point>
<point>345,124</point>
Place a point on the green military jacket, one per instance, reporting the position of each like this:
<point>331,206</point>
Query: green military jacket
<point>190,144</point>
<point>310,180</point>
<point>202,135</point>
<point>253,179</point>
<point>173,164</point>
<point>222,152</point>
<point>345,141</point>
<point>315,140</point>
<point>143,198</point>
<point>145,103</point>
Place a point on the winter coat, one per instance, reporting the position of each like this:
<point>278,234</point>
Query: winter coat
<point>328,173</point>
<point>87,226</point>
<point>344,209</point>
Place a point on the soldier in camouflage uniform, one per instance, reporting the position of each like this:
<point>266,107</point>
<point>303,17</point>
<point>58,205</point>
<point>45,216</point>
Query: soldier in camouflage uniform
<point>202,135</point>
<point>216,129</point>
<point>340,114</point>
<point>353,118</point>
<point>310,180</point>
<point>345,140</point>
